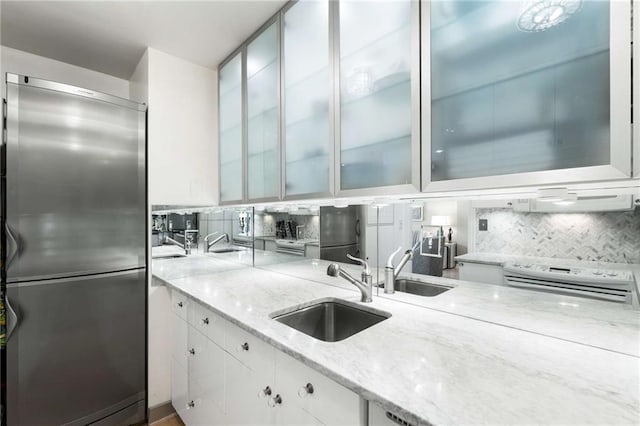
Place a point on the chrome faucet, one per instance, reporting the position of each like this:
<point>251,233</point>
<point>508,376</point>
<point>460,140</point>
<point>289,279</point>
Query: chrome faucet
<point>210,244</point>
<point>391,273</point>
<point>365,286</point>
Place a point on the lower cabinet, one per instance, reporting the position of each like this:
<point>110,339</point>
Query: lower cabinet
<point>479,272</point>
<point>223,375</point>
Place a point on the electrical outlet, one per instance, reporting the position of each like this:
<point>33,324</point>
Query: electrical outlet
<point>483,224</point>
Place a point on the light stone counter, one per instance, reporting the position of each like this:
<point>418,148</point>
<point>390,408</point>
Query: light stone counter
<point>434,366</point>
<point>499,259</point>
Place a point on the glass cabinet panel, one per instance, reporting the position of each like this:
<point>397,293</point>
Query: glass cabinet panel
<point>230,129</point>
<point>375,93</point>
<point>263,171</point>
<point>307,88</point>
<point>518,86</point>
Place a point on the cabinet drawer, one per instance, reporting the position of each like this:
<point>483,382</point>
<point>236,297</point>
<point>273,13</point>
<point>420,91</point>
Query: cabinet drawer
<point>179,388</point>
<point>326,400</point>
<point>179,340</point>
<point>208,323</point>
<point>179,304</point>
<point>251,351</point>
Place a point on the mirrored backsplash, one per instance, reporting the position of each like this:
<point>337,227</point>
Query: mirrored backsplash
<point>430,232</point>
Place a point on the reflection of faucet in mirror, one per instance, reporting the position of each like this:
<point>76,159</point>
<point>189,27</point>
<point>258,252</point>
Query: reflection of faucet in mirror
<point>208,244</point>
<point>188,240</point>
<point>391,273</point>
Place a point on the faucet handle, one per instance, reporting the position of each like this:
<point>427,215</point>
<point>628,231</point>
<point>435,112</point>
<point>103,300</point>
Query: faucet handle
<point>366,271</point>
<point>390,259</point>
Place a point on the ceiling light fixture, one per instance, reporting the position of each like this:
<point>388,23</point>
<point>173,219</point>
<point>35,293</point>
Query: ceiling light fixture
<point>540,15</point>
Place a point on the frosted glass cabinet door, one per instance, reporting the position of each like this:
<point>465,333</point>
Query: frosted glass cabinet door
<point>518,88</point>
<point>263,162</point>
<point>307,137</point>
<point>379,141</point>
<point>230,130</point>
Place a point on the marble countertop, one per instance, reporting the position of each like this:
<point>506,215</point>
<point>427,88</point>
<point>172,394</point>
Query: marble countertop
<point>500,259</point>
<point>462,357</point>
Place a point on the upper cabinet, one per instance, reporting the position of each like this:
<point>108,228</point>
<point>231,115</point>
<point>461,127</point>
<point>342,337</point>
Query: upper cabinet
<point>263,115</point>
<point>230,130</point>
<point>330,104</point>
<point>377,115</point>
<point>522,94</point>
<point>307,79</point>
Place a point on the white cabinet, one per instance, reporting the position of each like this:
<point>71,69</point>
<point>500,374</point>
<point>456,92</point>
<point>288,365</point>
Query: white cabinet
<point>479,272</point>
<point>513,101</point>
<point>223,375</point>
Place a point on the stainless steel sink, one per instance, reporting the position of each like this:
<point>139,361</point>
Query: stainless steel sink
<point>419,288</point>
<point>331,321</point>
<point>224,250</point>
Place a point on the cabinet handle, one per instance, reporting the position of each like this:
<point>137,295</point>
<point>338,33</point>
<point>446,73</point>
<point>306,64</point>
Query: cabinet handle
<point>243,347</point>
<point>192,351</point>
<point>273,401</point>
<point>190,404</point>
<point>206,321</point>
<point>265,392</point>
<point>180,305</point>
<point>305,390</point>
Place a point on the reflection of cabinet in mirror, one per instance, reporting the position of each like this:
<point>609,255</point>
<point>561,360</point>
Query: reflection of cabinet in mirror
<point>509,107</point>
<point>378,112</point>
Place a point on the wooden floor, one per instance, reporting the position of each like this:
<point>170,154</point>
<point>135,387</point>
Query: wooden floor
<point>169,421</point>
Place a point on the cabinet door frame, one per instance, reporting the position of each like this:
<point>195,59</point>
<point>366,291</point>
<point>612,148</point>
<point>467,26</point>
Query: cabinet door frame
<point>283,125</point>
<point>620,123</point>
<point>414,186</point>
<point>245,110</point>
<point>636,91</point>
<point>243,150</point>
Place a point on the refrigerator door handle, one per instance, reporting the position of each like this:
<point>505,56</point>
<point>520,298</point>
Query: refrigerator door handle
<point>13,248</point>
<point>12,319</point>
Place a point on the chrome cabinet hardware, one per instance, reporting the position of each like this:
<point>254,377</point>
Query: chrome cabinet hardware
<point>191,404</point>
<point>276,400</point>
<point>243,347</point>
<point>192,351</point>
<point>305,390</point>
<point>180,305</point>
<point>265,392</point>
<point>205,321</point>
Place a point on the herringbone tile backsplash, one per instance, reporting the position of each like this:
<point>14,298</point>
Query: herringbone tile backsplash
<point>604,237</point>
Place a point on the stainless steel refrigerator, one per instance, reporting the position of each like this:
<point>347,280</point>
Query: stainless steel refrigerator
<point>74,256</point>
<point>340,233</point>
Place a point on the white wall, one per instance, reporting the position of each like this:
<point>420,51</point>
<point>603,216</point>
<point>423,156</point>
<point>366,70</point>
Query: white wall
<point>19,62</point>
<point>182,99</point>
<point>182,161</point>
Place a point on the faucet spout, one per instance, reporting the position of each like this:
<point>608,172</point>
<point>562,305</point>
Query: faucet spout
<point>366,288</point>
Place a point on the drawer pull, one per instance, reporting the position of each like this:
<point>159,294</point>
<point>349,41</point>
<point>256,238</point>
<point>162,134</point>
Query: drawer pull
<point>243,347</point>
<point>276,400</point>
<point>265,392</point>
<point>305,390</point>
<point>192,351</point>
<point>205,321</point>
<point>190,404</point>
<point>180,305</point>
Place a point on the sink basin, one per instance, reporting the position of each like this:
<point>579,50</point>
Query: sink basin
<point>224,250</point>
<point>333,320</point>
<point>420,288</point>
